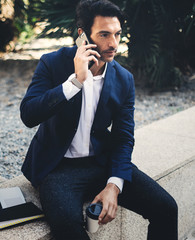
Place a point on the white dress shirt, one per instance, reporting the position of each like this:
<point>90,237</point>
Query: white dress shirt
<point>81,145</point>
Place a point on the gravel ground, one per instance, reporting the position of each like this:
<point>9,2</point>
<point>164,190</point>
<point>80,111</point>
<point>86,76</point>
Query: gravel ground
<point>15,137</point>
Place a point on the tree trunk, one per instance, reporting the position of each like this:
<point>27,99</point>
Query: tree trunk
<point>6,23</point>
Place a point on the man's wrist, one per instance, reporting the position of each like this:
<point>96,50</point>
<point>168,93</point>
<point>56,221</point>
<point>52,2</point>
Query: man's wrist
<point>76,82</point>
<point>69,89</point>
<point>117,181</point>
<point>114,187</point>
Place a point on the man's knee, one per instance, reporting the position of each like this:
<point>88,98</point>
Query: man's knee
<point>67,217</point>
<point>167,208</point>
<point>172,207</point>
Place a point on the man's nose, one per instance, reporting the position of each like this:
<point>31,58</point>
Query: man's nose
<point>113,42</point>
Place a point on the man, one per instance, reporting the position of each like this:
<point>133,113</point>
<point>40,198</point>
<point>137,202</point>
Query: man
<point>74,157</point>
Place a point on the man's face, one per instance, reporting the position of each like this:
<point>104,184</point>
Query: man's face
<point>106,33</point>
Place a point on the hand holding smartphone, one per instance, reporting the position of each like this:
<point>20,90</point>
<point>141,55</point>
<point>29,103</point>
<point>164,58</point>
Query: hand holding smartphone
<point>79,41</point>
<point>85,57</point>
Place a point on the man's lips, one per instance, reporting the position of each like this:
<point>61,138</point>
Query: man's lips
<point>110,51</point>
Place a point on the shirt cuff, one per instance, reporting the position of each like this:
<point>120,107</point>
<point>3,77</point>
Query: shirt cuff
<point>69,89</point>
<point>117,181</point>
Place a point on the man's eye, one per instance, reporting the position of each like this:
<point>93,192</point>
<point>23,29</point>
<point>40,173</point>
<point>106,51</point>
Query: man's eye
<point>118,34</point>
<point>104,35</point>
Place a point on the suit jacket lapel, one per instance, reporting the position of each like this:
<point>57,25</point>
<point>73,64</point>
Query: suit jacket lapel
<point>106,90</point>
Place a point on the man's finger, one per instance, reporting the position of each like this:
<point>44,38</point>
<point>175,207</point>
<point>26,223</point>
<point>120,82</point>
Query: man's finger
<point>88,46</point>
<point>92,58</point>
<point>103,213</point>
<point>96,199</point>
<point>110,215</point>
<point>92,52</point>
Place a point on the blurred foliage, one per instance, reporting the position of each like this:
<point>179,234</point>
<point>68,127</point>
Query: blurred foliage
<point>24,28</point>
<point>160,34</point>
<point>58,16</point>
<point>17,26</point>
<point>6,33</point>
<point>161,46</point>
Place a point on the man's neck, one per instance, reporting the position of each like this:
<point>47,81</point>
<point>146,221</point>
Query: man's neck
<point>98,70</point>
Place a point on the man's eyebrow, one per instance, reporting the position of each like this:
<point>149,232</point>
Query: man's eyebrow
<point>101,32</point>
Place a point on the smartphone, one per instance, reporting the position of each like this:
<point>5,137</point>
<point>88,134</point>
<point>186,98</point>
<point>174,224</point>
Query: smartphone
<point>79,41</point>
<point>82,38</point>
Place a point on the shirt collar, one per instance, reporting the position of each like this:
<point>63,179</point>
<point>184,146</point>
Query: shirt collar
<point>102,76</point>
<point>104,73</point>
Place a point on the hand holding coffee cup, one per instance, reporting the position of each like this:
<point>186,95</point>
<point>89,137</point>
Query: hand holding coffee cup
<point>92,213</point>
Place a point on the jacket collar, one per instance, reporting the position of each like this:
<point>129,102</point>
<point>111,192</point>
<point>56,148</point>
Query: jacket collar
<point>106,90</point>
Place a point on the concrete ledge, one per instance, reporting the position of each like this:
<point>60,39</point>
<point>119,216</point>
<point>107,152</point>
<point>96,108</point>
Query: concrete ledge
<point>34,230</point>
<point>191,235</point>
<point>165,151</point>
<point>180,183</point>
<point>166,143</point>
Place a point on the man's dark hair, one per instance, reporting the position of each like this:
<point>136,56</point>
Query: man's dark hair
<point>87,10</point>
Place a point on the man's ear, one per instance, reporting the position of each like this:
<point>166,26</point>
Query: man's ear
<point>80,31</point>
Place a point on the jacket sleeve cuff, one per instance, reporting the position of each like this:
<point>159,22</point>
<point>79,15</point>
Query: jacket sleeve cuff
<point>117,181</point>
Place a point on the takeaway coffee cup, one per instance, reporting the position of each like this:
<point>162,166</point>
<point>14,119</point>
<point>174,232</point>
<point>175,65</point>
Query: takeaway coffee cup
<point>92,213</point>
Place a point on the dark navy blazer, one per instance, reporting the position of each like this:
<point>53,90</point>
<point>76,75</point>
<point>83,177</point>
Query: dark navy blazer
<point>45,104</point>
